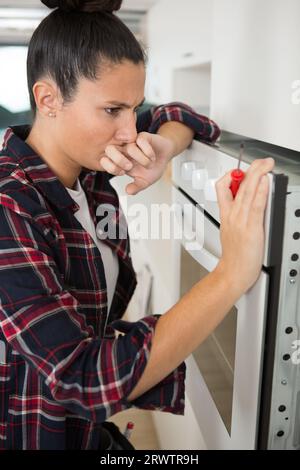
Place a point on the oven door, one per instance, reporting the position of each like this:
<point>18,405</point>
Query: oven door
<point>224,372</point>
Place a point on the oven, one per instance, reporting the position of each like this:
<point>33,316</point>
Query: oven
<point>242,381</point>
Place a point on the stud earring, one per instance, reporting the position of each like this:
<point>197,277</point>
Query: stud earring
<point>52,114</point>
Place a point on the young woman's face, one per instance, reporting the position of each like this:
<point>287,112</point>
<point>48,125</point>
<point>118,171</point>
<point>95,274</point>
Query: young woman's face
<point>103,112</point>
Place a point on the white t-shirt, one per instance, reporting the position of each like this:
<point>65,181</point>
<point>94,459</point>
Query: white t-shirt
<point>109,258</point>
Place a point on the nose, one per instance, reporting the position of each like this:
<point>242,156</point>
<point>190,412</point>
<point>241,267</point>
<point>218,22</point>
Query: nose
<point>126,132</point>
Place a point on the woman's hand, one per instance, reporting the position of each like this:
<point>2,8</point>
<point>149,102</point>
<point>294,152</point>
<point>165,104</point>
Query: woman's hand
<point>242,225</point>
<point>144,160</point>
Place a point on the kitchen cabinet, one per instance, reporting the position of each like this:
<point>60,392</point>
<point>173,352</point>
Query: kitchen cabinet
<point>192,85</point>
<point>178,43</point>
<point>256,69</point>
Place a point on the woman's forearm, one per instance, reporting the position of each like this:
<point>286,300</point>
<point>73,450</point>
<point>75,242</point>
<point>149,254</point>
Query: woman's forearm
<point>180,134</point>
<point>180,330</point>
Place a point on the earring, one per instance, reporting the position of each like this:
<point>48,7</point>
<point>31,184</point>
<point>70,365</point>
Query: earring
<point>52,114</point>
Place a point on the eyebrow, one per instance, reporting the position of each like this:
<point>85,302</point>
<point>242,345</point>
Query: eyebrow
<point>124,105</point>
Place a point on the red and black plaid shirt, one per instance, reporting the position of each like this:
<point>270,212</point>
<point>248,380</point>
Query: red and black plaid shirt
<point>60,374</point>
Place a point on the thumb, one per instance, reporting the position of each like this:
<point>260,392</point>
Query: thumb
<point>131,189</point>
<point>135,187</point>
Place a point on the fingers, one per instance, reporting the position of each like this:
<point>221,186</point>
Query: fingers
<point>224,194</point>
<point>118,161</point>
<point>250,194</point>
<point>110,167</point>
<point>249,187</point>
<point>260,201</point>
<point>138,155</point>
<point>146,147</point>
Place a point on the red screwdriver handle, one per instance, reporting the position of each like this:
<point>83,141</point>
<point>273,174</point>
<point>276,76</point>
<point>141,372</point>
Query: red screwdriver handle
<point>237,177</point>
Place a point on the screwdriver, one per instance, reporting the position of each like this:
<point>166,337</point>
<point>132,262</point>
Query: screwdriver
<point>237,175</point>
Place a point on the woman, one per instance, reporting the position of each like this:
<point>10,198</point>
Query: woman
<point>63,371</point>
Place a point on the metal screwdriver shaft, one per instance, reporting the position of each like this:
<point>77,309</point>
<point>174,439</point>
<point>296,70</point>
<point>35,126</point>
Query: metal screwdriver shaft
<point>241,154</point>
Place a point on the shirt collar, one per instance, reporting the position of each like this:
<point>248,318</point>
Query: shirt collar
<point>36,168</point>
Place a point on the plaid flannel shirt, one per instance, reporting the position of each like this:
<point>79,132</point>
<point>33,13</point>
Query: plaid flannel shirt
<point>60,374</point>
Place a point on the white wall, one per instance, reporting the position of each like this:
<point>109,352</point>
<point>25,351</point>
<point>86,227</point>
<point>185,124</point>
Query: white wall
<point>256,59</point>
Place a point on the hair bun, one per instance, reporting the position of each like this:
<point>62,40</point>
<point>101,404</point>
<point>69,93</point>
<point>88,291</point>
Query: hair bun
<point>89,6</point>
<point>50,3</point>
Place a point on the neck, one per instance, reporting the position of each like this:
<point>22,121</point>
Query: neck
<point>45,146</point>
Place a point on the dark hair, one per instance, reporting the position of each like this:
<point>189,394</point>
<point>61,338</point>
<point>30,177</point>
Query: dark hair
<point>84,5</point>
<point>75,40</point>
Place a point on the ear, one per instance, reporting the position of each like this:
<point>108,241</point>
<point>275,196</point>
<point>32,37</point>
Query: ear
<point>47,97</point>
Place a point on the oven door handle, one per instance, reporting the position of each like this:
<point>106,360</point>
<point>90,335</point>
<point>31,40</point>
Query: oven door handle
<point>193,242</point>
<point>200,254</point>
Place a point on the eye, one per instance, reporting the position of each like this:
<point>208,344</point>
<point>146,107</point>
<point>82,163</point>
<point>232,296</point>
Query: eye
<point>112,111</point>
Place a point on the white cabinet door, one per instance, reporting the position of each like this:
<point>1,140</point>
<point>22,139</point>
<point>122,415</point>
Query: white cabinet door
<point>256,64</point>
<point>178,35</point>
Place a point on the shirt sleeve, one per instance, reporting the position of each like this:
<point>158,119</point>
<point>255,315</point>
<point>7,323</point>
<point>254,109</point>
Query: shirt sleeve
<point>46,325</point>
<point>206,130</point>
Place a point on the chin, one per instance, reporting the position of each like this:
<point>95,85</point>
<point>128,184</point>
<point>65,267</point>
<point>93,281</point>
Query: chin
<point>88,168</point>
